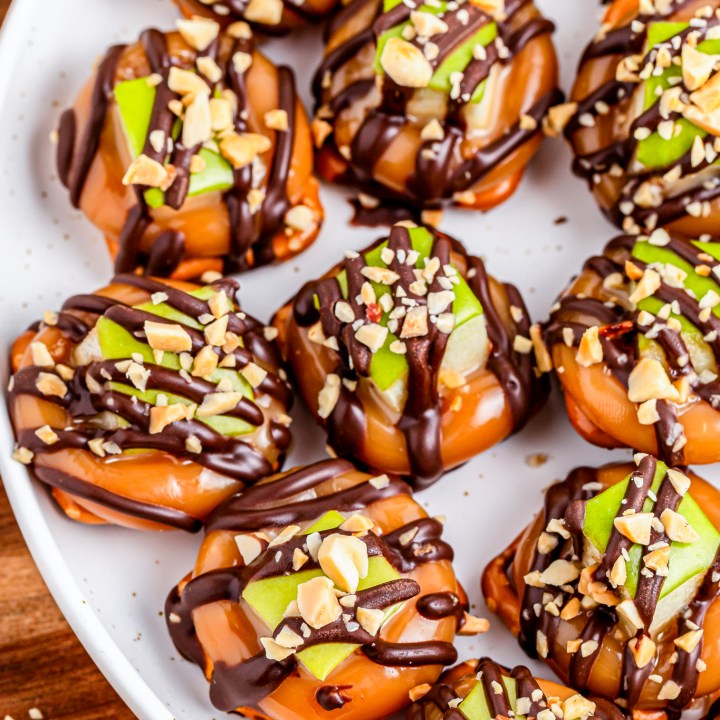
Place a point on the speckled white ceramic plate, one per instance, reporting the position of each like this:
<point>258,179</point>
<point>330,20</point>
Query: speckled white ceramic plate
<point>111,583</point>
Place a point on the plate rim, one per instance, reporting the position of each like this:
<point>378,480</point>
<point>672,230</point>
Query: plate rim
<point>73,602</point>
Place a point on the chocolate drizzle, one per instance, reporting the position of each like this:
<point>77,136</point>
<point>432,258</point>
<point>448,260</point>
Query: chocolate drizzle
<point>290,499</point>
<point>90,392</point>
<point>333,697</point>
<point>539,628</point>
<point>420,421</point>
<point>251,231</point>
<point>443,695</point>
<point>621,327</point>
<point>231,10</point>
<point>441,170</point>
<point>617,159</point>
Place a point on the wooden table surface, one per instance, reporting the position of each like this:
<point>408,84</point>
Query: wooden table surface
<point>42,664</point>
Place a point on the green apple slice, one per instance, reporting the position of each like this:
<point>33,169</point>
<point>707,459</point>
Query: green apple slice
<point>270,597</point>
<point>687,560</point>
<point>322,659</point>
<point>458,60</point>
<point>134,100</point>
<point>388,370</point>
<point>468,347</point>
<point>654,151</point>
<point>475,706</point>
<point>116,343</point>
<point>700,352</point>
<point>329,521</point>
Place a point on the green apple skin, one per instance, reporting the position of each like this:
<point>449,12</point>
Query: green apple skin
<point>701,353</point>
<point>134,101</point>
<point>687,560</point>
<point>387,367</point>
<point>654,151</point>
<point>458,60</point>
<point>116,343</point>
<point>475,706</point>
<point>270,597</point>
<point>329,521</point>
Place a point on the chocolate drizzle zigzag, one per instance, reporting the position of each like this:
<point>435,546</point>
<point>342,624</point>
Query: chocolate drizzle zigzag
<point>643,204</point>
<point>439,174</point>
<point>251,230</point>
<point>564,503</point>
<point>620,327</point>
<point>274,504</point>
<point>87,393</point>
<point>443,697</point>
<point>421,417</point>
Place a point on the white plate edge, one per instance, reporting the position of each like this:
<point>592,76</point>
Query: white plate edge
<point>72,601</point>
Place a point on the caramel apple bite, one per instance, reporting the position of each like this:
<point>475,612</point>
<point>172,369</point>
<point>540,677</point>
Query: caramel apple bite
<point>615,585</point>
<point>427,104</point>
<point>147,403</point>
<point>484,690</point>
<point>273,17</point>
<point>191,152</point>
<point>412,357</point>
<point>644,119</point>
<point>634,341</point>
<point>318,593</point>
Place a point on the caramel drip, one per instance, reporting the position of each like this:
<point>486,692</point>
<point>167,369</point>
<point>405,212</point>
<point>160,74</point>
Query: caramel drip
<point>251,232</point>
<point>230,456</point>
<point>627,41</point>
<point>565,501</point>
<point>271,505</point>
<point>421,418</point>
<point>438,175</point>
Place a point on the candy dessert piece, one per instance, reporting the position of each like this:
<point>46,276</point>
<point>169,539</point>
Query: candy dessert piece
<point>430,103</point>
<point>191,152</point>
<point>644,117</point>
<point>484,690</point>
<point>634,341</point>
<point>320,590</point>
<point>412,356</point>
<point>267,16</point>
<point>615,585</point>
<point>146,404</point>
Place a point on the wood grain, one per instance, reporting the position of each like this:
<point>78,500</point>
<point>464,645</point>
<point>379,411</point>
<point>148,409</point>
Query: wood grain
<point>42,664</point>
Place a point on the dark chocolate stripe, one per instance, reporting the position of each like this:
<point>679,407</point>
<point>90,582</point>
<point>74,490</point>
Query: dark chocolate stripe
<point>251,233</point>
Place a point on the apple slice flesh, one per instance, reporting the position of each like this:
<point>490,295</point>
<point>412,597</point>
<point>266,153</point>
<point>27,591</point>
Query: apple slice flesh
<point>270,597</point>
<point>687,561</point>
<point>475,706</point>
<point>134,100</point>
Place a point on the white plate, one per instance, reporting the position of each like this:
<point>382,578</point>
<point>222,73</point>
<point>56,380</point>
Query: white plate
<point>111,583</point>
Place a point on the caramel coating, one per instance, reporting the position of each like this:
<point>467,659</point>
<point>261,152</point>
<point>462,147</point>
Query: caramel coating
<point>229,632</point>
<point>463,678</point>
<point>518,85</point>
<point>473,417</point>
<point>503,586</point>
<point>597,401</point>
<point>153,477</point>
<point>203,220</point>
<point>614,127</point>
